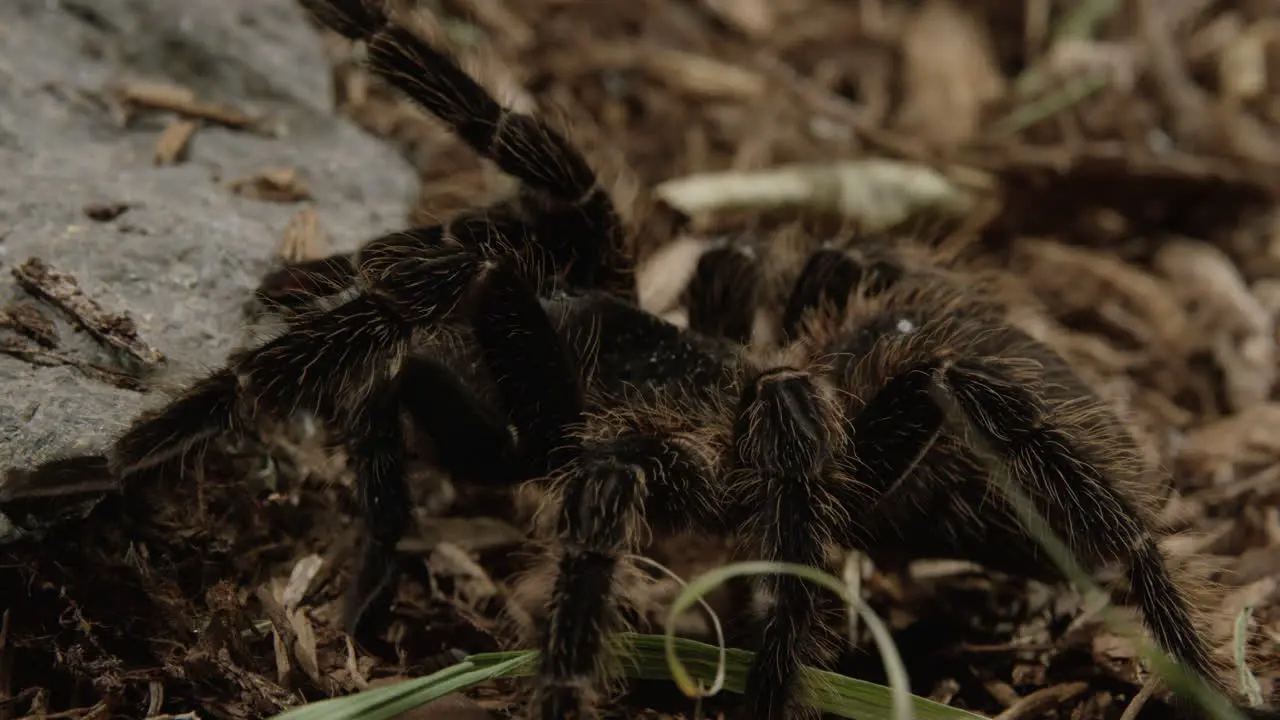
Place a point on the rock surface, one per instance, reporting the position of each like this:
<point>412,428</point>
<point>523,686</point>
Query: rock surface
<point>183,258</point>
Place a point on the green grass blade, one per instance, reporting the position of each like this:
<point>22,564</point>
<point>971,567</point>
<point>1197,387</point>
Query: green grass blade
<point>643,657</point>
<point>712,579</point>
<point>391,702</point>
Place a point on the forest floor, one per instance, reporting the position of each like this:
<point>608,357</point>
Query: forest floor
<point>1122,158</point>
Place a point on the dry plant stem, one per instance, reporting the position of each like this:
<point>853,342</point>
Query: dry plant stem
<point>1080,22</point>
<point>1136,704</point>
<point>705,76</point>
<point>1248,682</point>
<point>180,100</point>
<point>115,330</point>
<point>1048,105</point>
<point>155,699</point>
<point>1037,703</point>
<point>1187,104</point>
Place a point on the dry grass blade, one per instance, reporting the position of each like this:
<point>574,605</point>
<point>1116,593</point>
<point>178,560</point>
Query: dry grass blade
<point>877,193</point>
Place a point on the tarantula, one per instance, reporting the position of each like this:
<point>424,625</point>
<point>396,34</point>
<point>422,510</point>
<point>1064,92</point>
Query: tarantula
<point>512,338</point>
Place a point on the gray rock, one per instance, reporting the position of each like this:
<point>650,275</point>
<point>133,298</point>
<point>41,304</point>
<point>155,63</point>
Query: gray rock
<point>183,259</point>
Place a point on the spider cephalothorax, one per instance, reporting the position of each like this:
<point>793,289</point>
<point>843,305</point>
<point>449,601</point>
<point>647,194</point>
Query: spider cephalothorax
<point>895,394</point>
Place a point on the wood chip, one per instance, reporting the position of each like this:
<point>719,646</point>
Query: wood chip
<point>275,184</point>
<point>149,95</point>
<point>303,239</point>
<point>62,290</point>
<point>27,319</point>
<point>1217,298</point>
<point>300,580</point>
<point>106,212</point>
<point>1217,450</point>
<point>501,21</point>
<point>39,356</point>
<point>470,584</point>
<point>950,72</point>
<point>753,18</point>
<point>705,76</point>
<point>174,140</point>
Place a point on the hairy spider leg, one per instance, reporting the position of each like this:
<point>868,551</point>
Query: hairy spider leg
<point>826,282</point>
<point>787,436</point>
<point>342,364</point>
<point>609,480</point>
<point>296,287</point>
<point>329,361</point>
<point>577,218</point>
<point>908,382</point>
<point>827,279</point>
<point>921,377</point>
<point>1046,464</point>
<point>471,440</point>
<point>579,236</point>
<point>724,294</point>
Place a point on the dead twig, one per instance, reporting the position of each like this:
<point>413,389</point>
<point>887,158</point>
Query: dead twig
<point>1136,704</point>
<point>1035,704</point>
<point>147,95</point>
